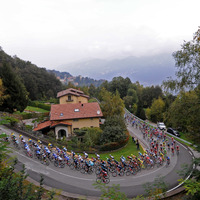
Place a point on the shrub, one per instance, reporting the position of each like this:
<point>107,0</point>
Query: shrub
<point>13,121</point>
<point>114,145</point>
<point>40,105</point>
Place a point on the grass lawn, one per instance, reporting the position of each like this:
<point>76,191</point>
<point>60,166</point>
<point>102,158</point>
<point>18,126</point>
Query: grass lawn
<point>35,109</point>
<point>185,137</point>
<point>129,149</point>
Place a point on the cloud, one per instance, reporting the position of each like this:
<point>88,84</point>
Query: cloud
<point>49,32</point>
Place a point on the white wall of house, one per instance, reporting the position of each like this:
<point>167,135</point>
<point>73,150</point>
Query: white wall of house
<point>58,128</point>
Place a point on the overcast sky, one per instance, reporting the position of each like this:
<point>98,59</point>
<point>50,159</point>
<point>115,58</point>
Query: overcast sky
<point>50,33</point>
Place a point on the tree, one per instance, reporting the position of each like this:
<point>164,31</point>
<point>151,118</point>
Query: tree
<point>192,185</point>
<point>18,96</point>
<point>120,84</point>
<point>92,90</point>
<point>111,104</point>
<point>113,129</point>
<point>184,112</point>
<point>187,61</point>
<point>157,189</point>
<point>150,93</point>
<point>140,111</point>
<point>130,99</point>
<point>157,110</point>
<point>2,93</point>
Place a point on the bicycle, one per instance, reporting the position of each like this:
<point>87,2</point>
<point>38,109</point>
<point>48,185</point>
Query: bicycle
<point>168,162</point>
<point>130,170</point>
<point>58,163</point>
<point>45,161</point>
<point>118,171</point>
<point>103,177</point>
<point>29,154</point>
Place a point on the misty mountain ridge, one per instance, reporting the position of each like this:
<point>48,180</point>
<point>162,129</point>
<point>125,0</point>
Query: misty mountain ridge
<point>148,70</point>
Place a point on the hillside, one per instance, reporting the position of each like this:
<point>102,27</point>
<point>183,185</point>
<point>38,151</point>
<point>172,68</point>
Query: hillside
<point>39,83</point>
<point>66,77</point>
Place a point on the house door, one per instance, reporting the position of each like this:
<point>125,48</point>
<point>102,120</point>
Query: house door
<point>62,133</point>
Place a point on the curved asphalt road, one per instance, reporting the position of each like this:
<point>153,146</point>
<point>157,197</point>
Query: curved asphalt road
<point>74,182</point>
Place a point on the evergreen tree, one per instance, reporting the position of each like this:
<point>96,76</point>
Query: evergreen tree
<point>18,96</point>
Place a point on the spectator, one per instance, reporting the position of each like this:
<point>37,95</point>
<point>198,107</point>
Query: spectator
<point>138,145</point>
<point>133,139</point>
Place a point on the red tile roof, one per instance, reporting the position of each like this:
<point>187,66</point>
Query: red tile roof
<point>50,124</point>
<point>54,123</point>
<point>42,125</point>
<point>75,111</point>
<point>72,92</point>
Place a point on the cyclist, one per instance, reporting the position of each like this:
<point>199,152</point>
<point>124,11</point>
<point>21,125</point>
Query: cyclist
<point>168,160</point>
<point>64,149</point>
<point>86,155</point>
<point>39,142</point>
<point>21,137</point>
<point>168,145</point>
<point>29,141</point>
<point>97,156</point>
<point>50,145</point>
<point>172,149</point>
<point>177,149</point>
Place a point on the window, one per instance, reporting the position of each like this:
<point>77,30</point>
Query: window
<point>69,98</point>
<point>75,120</point>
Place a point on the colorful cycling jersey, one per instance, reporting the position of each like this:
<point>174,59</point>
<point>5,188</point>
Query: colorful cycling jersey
<point>64,149</point>
<point>37,152</point>
<point>50,145</point>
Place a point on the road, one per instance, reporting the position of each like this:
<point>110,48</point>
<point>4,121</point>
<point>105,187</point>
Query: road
<point>82,184</point>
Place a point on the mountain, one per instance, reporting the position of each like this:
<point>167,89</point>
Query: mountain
<point>66,77</point>
<point>149,70</point>
<point>39,83</point>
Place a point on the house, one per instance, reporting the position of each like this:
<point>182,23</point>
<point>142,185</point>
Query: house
<point>72,96</point>
<point>68,117</point>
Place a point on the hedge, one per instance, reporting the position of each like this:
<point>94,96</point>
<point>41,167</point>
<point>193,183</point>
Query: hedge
<point>40,105</point>
<point>114,145</point>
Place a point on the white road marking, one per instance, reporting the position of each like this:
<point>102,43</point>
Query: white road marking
<point>181,145</point>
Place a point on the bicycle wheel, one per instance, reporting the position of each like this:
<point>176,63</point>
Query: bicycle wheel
<point>134,172</point>
<point>106,180</point>
<point>121,173</point>
<point>114,174</point>
<point>128,173</point>
<point>90,171</point>
<point>78,167</point>
<point>158,164</point>
<point>71,166</point>
<point>62,165</point>
<point>82,170</point>
<point>56,163</point>
<point>97,171</point>
<point>98,180</point>
<point>47,162</point>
